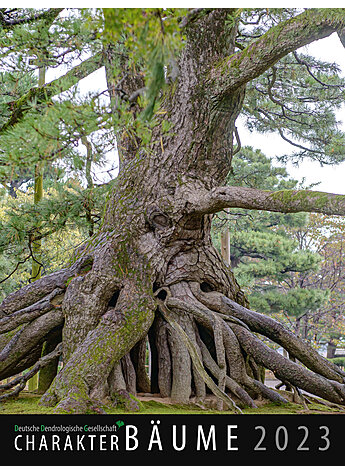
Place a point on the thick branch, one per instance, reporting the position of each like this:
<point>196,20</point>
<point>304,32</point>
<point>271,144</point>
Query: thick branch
<point>42,94</point>
<point>277,42</point>
<point>286,201</point>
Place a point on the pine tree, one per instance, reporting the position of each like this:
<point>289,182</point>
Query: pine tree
<point>177,81</point>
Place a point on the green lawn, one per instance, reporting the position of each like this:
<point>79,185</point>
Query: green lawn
<point>27,403</point>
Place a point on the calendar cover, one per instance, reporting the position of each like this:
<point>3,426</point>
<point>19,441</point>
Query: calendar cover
<point>172,236</point>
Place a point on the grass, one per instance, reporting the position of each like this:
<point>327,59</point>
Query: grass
<point>27,403</point>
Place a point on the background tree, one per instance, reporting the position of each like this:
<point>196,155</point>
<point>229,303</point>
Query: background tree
<point>177,81</point>
<point>325,236</point>
<point>266,254</point>
<point>291,266</point>
<point>67,169</point>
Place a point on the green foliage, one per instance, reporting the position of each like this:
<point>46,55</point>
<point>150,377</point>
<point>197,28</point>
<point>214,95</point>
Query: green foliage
<point>294,303</point>
<point>52,139</point>
<point>299,98</point>
<point>52,43</point>
<point>339,361</point>
<point>251,168</point>
<point>151,38</point>
<point>268,258</point>
<point>325,235</point>
<point>61,215</point>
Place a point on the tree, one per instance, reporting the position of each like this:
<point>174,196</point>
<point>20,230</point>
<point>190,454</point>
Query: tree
<point>325,235</point>
<point>268,257</point>
<point>177,81</point>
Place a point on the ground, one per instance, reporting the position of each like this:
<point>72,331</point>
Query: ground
<point>27,403</point>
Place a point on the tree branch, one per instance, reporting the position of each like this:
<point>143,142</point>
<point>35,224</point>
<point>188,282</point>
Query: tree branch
<point>237,69</point>
<point>285,201</point>
<point>9,23</point>
<point>42,94</point>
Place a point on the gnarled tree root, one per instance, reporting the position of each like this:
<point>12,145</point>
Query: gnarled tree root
<point>20,381</point>
<point>200,341</point>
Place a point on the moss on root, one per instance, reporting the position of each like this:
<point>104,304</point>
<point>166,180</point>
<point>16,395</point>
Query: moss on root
<point>125,402</point>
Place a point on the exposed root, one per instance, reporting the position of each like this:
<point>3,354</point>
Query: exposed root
<point>32,312</point>
<point>116,380</point>
<point>267,392</point>
<point>20,381</point>
<point>220,353</point>
<point>27,339</point>
<point>124,399</point>
<point>199,384</point>
<point>182,367</point>
<point>138,357</point>
<point>299,398</point>
<point>7,349</point>
<point>316,400</point>
<point>164,362</point>
<point>117,332</point>
<point>287,370</point>
<point>233,349</point>
<point>273,330</point>
<point>129,373</point>
<point>199,340</point>
<point>230,384</point>
<point>196,361</point>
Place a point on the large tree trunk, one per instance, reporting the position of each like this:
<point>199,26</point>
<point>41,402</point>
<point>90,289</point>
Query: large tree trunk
<point>152,266</point>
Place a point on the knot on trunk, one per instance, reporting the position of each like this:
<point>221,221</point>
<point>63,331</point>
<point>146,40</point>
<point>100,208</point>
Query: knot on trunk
<point>157,219</point>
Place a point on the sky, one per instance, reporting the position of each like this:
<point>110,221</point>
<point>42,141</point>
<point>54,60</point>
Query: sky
<point>331,177</point>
